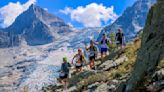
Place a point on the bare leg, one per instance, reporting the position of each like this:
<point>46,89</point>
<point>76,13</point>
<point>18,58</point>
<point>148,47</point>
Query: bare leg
<point>77,70</point>
<point>93,63</point>
<point>63,83</point>
<point>80,69</point>
<point>101,56</point>
<point>117,46</point>
<point>66,84</point>
<point>90,64</point>
<point>105,54</point>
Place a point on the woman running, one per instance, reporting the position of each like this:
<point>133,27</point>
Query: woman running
<point>92,54</point>
<point>80,60</point>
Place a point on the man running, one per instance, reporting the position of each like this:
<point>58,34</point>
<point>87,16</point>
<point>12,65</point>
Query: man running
<point>119,38</point>
<point>64,72</point>
<point>80,60</point>
<point>92,54</point>
<point>104,46</point>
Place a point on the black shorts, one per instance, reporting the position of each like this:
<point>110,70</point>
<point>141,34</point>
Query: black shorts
<point>64,77</point>
<point>78,66</point>
<point>119,42</point>
<point>92,57</point>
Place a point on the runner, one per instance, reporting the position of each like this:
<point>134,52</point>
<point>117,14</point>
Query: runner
<point>104,46</point>
<point>80,60</point>
<point>92,54</point>
<point>119,38</point>
<point>64,73</point>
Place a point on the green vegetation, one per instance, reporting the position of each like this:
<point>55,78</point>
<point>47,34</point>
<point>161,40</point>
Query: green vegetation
<point>112,45</point>
<point>161,64</point>
<point>123,70</point>
<point>99,77</point>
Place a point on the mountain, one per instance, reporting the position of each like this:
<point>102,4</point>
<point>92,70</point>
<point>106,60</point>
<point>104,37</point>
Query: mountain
<point>29,63</point>
<point>84,36</point>
<point>4,39</point>
<point>132,20</point>
<point>37,26</point>
<point>149,56</point>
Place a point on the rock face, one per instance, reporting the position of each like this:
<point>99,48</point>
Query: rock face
<point>110,63</point>
<point>132,20</point>
<point>37,26</point>
<point>151,51</point>
<point>4,39</point>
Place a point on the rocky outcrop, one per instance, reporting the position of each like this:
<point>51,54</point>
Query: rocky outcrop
<point>110,63</point>
<point>150,53</point>
<point>157,83</point>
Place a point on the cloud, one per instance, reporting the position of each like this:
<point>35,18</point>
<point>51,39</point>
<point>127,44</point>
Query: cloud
<point>46,9</point>
<point>9,12</point>
<point>92,15</point>
<point>70,24</point>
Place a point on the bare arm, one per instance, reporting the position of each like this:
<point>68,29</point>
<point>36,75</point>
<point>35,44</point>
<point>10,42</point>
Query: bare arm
<point>87,48</point>
<point>96,43</point>
<point>84,59</point>
<point>73,58</point>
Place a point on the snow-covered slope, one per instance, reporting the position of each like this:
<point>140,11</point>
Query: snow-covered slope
<point>4,39</point>
<point>132,20</point>
<point>38,27</point>
<point>34,47</point>
<point>84,36</point>
<point>32,67</point>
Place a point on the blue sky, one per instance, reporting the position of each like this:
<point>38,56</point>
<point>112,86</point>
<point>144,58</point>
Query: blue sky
<point>73,15</point>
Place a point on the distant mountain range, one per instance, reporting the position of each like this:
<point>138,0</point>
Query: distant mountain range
<point>37,27</point>
<point>132,20</point>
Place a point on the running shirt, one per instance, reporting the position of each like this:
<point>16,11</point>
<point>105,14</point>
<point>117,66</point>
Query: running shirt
<point>79,58</point>
<point>104,43</point>
<point>92,51</point>
<point>65,67</point>
<point>119,36</point>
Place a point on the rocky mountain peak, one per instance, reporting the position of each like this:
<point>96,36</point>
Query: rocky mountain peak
<point>132,20</point>
<point>37,26</point>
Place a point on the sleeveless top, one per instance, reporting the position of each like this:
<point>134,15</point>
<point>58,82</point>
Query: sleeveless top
<point>104,43</point>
